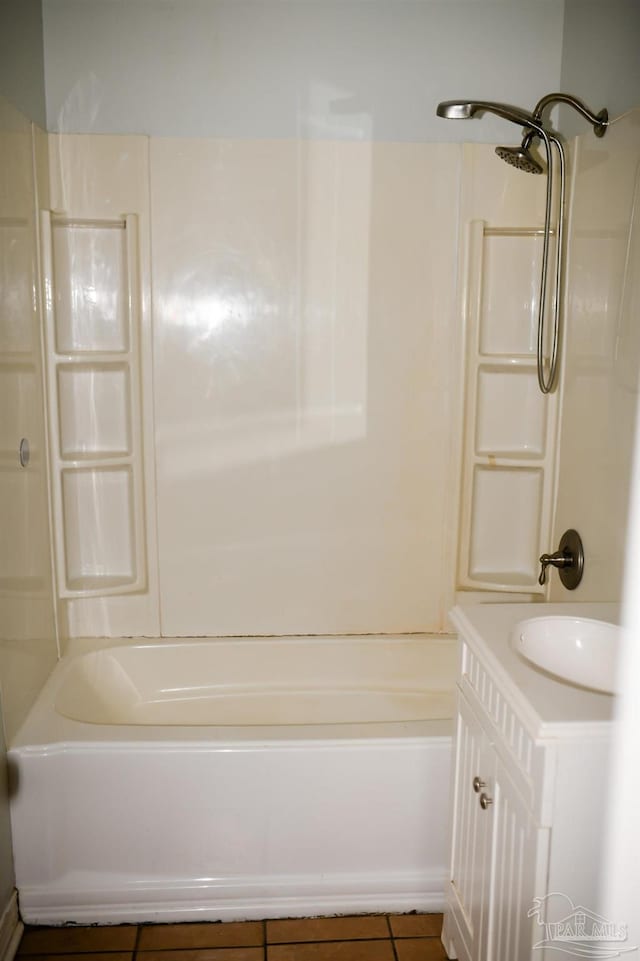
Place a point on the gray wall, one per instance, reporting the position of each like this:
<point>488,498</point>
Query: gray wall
<point>21,57</point>
<point>601,57</point>
<point>354,69</point>
<point>350,69</point>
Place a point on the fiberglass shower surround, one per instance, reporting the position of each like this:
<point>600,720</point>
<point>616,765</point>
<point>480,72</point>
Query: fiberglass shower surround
<point>522,158</point>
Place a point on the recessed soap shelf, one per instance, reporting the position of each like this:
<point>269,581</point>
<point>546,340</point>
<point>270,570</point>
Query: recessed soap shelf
<point>16,300</point>
<point>505,523</point>
<point>94,406</point>
<point>98,553</point>
<point>510,412</point>
<point>90,269</point>
<point>22,517</point>
<point>509,310</point>
<point>90,286</point>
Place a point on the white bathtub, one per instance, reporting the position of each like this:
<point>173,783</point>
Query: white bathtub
<point>236,778</point>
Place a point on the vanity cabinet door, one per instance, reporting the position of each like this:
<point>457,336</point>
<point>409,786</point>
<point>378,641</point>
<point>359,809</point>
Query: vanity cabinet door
<point>470,852</point>
<point>499,855</point>
<point>518,861</point>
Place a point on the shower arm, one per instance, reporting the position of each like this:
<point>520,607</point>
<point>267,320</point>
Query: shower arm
<point>599,121</point>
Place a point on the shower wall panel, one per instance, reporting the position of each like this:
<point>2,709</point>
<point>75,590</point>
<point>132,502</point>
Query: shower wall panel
<point>509,432</point>
<point>601,356</point>
<point>96,268</point>
<point>28,647</point>
<point>304,337</point>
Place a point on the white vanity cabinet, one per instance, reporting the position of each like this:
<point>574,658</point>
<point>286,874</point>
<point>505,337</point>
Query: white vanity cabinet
<point>529,780</point>
<point>498,853</point>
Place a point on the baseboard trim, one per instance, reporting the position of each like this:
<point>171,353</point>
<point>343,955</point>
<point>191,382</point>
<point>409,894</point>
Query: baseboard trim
<point>251,900</point>
<point>11,928</point>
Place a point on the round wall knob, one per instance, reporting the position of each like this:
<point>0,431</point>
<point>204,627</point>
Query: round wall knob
<point>485,801</point>
<point>477,784</point>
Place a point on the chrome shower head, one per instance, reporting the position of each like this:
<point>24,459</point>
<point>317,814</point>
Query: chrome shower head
<point>521,158</point>
<point>466,109</point>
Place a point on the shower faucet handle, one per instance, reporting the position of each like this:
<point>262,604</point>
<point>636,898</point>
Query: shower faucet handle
<point>557,559</point>
<point>569,559</point>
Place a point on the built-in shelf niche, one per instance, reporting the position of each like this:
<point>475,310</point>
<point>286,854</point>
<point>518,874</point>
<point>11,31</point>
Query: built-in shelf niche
<point>510,413</point>
<point>23,516</point>
<point>509,436</point>
<point>93,361</point>
<point>94,403</point>
<point>91,287</point>
<point>98,555</point>
<point>22,504</point>
<point>505,550</point>
<point>23,570</point>
<point>16,291</point>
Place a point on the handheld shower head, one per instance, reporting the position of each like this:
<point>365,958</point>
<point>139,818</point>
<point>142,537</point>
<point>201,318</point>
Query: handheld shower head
<point>465,109</point>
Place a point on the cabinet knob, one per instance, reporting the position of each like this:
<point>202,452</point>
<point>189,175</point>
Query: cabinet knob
<point>485,801</point>
<point>478,784</point>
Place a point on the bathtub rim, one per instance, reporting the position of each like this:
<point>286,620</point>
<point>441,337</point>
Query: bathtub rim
<point>75,646</point>
<point>46,731</point>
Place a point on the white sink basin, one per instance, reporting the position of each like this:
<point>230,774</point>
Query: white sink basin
<point>579,650</point>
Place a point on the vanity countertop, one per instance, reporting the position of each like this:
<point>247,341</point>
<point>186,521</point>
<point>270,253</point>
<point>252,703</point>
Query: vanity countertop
<point>548,707</point>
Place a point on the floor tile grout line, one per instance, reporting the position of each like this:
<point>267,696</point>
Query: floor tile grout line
<point>301,944</point>
<point>201,947</point>
<point>80,954</point>
<point>383,937</point>
<point>380,937</point>
<point>136,943</point>
<point>392,938</point>
<point>389,928</point>
<point>52,954</point>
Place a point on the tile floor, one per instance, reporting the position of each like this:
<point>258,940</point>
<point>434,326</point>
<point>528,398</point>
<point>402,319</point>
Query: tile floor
<point>380,937</point>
